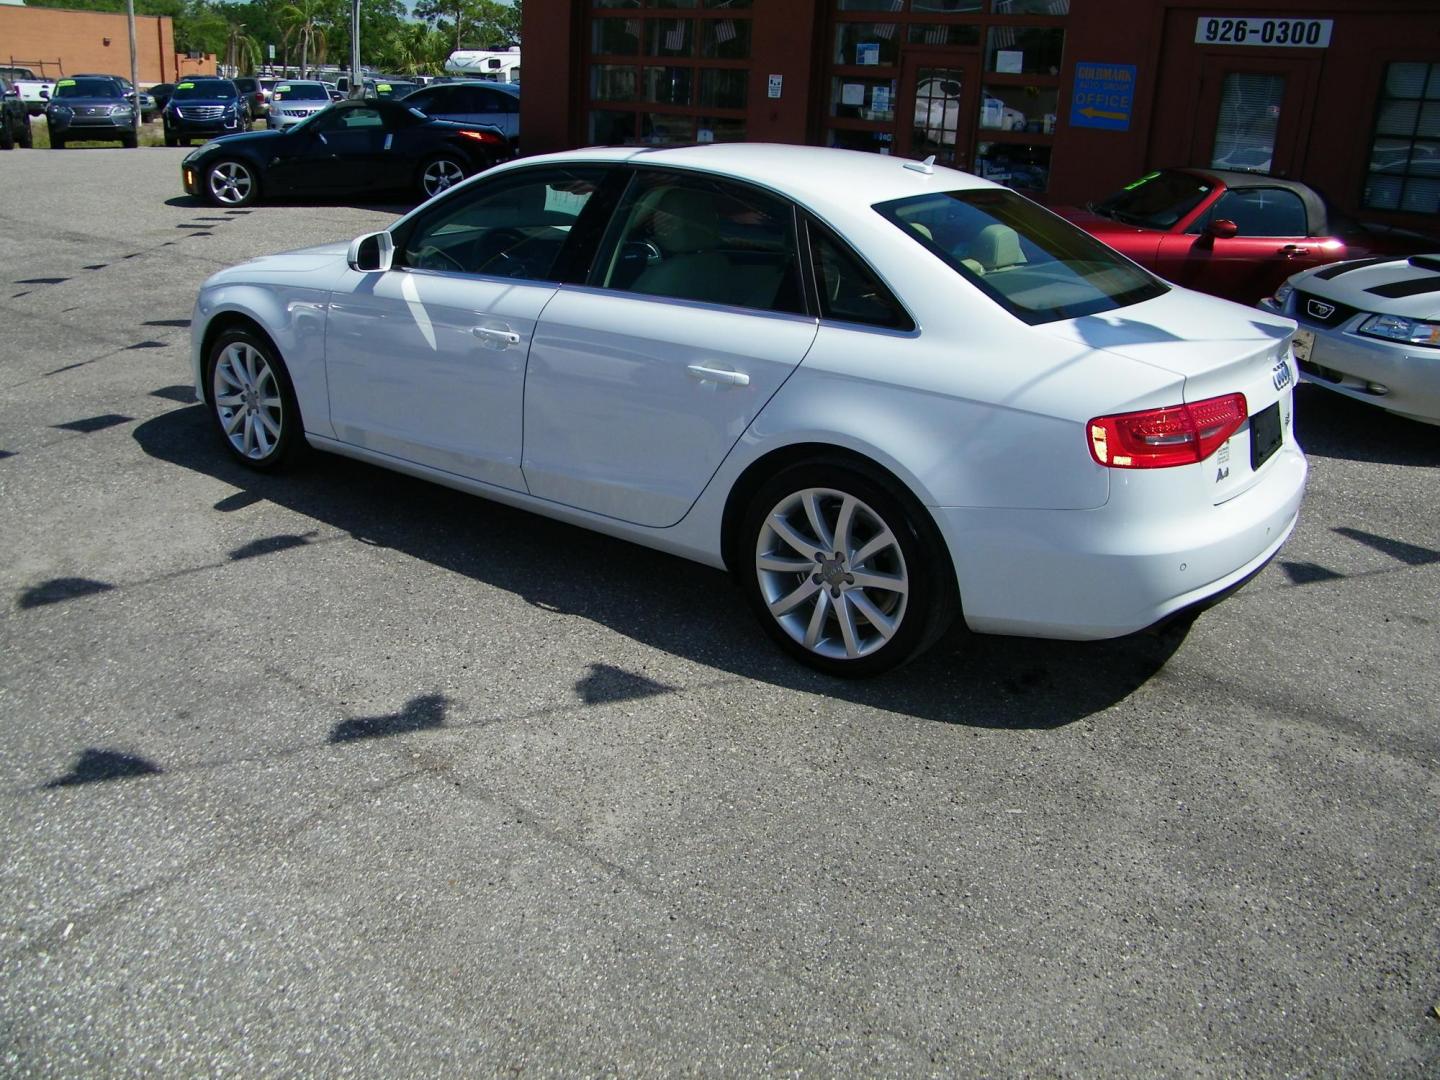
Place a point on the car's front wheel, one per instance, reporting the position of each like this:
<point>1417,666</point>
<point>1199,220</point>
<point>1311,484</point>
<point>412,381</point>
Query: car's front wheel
<point>252,400</point>
<point>27,137</point>
<point>231,183</point>
<point>845,575</point>
<point>440,173</point>
<point>130,141</point>
<point>57,142</point>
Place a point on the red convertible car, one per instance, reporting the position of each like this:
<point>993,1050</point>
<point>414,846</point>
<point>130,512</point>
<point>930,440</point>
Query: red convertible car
<point>1231,234</point>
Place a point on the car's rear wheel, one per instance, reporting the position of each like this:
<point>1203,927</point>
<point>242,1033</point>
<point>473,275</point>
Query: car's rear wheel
<point>440,173</point>
<point>252,400</point>
<point>27,137</point>
<point>231,183</point>
<point>846,576</point>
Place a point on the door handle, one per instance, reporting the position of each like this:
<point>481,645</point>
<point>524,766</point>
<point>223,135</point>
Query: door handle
<point>500,337</point>
<point>718,375</point>
<point>1291,250</point>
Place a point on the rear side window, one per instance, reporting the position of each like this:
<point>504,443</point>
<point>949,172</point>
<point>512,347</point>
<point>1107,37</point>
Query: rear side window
<point>849,290</point>
<point>692,237</point>
<point>1260,212</point>
<point>1037,266</point>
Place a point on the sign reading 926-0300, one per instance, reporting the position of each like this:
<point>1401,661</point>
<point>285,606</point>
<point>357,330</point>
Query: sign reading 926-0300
<point>1269,33</point>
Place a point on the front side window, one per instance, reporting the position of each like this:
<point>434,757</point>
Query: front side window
<point>1035,265</point>
<point>514,226</point>
<point>1259,212</point>
<point>696,238</point>
<point>356,117</point>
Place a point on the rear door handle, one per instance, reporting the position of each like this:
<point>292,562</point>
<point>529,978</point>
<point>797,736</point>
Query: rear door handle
<point>718,375</point>
<point>500,337</point>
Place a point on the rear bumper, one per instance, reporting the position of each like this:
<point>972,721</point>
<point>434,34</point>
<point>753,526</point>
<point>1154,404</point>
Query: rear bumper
<point>1091,574</point>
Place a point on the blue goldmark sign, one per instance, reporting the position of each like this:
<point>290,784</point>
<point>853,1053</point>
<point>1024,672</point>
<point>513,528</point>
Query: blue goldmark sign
<point>1104,96</point>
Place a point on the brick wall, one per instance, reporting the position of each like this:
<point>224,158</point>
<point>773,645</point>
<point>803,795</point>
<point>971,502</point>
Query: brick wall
<point>73,41</point>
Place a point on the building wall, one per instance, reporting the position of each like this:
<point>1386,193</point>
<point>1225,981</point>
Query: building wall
<point>67,42</point>
<point>1326,129</point>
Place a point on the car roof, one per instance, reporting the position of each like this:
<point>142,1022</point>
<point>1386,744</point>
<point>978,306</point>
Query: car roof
<point>809,174</point>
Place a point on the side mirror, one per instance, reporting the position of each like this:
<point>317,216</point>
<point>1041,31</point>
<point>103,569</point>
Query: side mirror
<point>43,92</point>
<point>372,253</point>
<point>1222,229</point>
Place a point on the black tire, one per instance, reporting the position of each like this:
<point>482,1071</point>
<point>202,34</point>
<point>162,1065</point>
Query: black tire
<point>171,139</point>
<point>130,142</point>
<point>27,137</point>
<point>913,555</point>
<point>248,439</point>
<point>427,177</point>
<point>57,142</point>
<point>7,137</point>
<point>233,168</point>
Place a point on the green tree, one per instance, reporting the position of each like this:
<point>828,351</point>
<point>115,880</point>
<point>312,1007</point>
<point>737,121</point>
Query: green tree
<point>473,24</point>
<point>308,20</point>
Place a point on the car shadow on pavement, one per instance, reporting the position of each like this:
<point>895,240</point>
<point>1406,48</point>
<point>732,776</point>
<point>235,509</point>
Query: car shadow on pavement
<point>1333,426</point>
<point>668,603</point>
<point>194,202</point>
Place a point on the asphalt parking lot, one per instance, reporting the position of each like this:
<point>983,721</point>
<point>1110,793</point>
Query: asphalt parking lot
<point>338,772</point>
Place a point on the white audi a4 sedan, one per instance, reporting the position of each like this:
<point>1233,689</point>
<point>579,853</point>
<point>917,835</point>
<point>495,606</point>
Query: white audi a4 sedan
<point>880,392</point>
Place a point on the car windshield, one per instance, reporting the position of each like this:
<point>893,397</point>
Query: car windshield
<point>1156,201</point>
<point>88,87</point>
<point>209,89</point>
<point>1037,266</point>
<point>301,92</point>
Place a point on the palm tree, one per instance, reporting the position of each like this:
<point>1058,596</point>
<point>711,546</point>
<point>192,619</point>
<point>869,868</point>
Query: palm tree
<point>308,19</point>
<point>240,46</point>
<point>416,49</point>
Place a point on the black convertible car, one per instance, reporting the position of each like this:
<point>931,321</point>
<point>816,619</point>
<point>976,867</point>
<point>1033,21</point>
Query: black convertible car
<point>352,148</point>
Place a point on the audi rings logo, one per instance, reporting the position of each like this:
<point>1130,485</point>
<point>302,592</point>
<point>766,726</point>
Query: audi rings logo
<point>1280,374</point>
<point>1319,309</point>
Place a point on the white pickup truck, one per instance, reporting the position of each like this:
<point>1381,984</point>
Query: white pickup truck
<point>34,91</point>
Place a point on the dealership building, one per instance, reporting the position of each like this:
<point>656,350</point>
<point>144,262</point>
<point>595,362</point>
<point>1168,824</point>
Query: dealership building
<point>1063,99</point>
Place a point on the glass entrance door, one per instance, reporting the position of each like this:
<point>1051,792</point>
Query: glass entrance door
<point>937,108</point>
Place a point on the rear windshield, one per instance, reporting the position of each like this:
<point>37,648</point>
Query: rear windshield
<point>1156,201</point>
<point>1038,267</point>
<point>301,92</point>
<point>88,87</point>
<point>209,89</point>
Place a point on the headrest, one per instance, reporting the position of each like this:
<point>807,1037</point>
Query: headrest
<point>996,247</point>
<point>685,220</point>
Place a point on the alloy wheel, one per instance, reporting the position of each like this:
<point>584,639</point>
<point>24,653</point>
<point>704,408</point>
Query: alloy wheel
<point>231,183</point>
<point>440,175</point>
<point>248,401</point>
<point>831,573</point>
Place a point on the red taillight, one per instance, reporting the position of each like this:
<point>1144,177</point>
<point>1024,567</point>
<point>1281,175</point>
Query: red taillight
<point>482,136</point>
<point>1161,438</point>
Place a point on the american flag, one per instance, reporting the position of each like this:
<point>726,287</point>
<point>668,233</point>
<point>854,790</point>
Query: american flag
<point>632,26</point>
<point>936,35</point>
<point>725,31</point>
<point>675,39</point>
<point>885,31</point>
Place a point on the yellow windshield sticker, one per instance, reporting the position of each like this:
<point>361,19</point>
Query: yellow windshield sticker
<point>283,89</point>
<point>384,88</point>
<point>66,82</point>
<point>186,86</point>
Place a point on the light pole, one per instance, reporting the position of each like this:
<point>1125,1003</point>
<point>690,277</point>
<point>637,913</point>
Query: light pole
<point>355,86</point>
<point>135,70</point>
